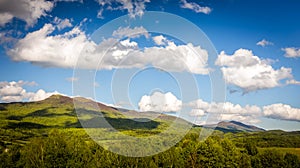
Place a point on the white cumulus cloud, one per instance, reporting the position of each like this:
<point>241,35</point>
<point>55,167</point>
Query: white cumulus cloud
<point>195,7</point>
<point>282,111</point>
<point>128,43</point>
<point>5,18</point>
<point>249,72</point>
<point>264,43</point>
<point>27,10</point>
<point>41,95</point>
<point>62,23</point>
<point>293,82</point>
<point>248,114</point>
<point>133,7</point>
<point>197,112</point>
<point>40,48</point>
<point>226,111</point>
<point>130,32</point>
<point>68,49</point>
<point>160,40</point>
<point>160,102</point>
<point>14,92</point>
<point>291,52</point>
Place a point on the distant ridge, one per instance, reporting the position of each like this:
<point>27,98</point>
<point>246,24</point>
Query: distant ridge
<point>235,126</point>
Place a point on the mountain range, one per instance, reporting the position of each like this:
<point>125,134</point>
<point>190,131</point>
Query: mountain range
<point>59,111</point>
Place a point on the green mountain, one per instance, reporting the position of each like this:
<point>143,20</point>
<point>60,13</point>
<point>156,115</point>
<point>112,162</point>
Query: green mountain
<point>29,119</point>
<point>58,111</point>
<point>21,121</point>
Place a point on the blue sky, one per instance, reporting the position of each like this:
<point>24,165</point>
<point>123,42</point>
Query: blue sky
<point>257,51</point>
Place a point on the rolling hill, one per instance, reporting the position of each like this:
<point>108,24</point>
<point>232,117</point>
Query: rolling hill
<point>29,119</point>
<point>235,126</point>
<point>58,111</point>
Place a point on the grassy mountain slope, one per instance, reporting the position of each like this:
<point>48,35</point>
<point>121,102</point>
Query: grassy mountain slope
<point>22,120</point>
<point>58,111</point>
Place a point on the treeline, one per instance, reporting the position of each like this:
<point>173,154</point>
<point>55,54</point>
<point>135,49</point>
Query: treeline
<point>275,138</point>
<point>59,149</point>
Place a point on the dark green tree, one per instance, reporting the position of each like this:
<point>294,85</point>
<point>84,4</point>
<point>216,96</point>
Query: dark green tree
<point>271,158</point>
<point>291,160</point>
<point>211,153</point>
<point>251,148</point>
<point>255,162</point>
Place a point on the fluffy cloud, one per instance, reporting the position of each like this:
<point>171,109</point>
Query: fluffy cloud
<point>291,52</point>
<point>282,111</point>
<point>133,7</point>
<point>62,23</point>
<point>292,82</point>
<point>226,111</point>
<point>197,112</point>
<point>264,43</point>
<point>19,83</point>
<point>195,7</point>
<point>179,58</point>
<point>248,114</point>
<point>5,18</point>
<point>175,58</point>
<point>27,10</point>
<point>68,49</point>
<point>227,108</point>
<point>130,32</point>
<point>249,72</point>
<point>59,50</point>
<point>160,40</point>
<point>160,102</point>
<point>40,95</point>
<point>128,43</point>
<point>14,91</point>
